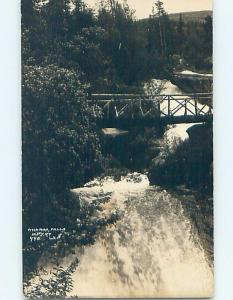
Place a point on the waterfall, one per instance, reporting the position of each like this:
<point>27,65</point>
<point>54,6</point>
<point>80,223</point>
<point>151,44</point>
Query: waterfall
<point>152,251</point>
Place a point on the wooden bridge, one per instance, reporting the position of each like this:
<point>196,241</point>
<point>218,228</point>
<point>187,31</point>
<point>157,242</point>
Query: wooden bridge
<point>122,110</point>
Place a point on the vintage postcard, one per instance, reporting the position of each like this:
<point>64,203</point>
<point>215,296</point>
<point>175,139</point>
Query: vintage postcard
<point>117,149</point>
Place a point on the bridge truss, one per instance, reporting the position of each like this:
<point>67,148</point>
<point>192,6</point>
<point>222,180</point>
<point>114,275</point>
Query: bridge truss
<point>167,109</point>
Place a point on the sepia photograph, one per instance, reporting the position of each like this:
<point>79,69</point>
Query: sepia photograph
<point>117,149</point>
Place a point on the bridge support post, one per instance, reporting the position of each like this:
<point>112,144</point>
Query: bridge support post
<point>169,106</point>
<point>185,107</point>
<point>108,111</point>
<point>159,108</point>
<point>196,112</point>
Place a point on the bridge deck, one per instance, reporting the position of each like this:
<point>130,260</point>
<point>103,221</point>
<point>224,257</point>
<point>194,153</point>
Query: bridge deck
<point>148,109</point>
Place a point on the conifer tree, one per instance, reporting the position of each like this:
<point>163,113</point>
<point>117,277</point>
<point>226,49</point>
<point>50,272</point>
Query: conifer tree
<point>160,13</point>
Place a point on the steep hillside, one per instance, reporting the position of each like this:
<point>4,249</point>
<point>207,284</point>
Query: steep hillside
<point>194,16</point>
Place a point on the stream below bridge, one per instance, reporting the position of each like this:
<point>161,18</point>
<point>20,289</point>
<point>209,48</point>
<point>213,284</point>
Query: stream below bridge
<point>158,247</point>
<point>154,250</point>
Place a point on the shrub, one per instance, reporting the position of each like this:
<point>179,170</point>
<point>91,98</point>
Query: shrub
<point>61,149</point>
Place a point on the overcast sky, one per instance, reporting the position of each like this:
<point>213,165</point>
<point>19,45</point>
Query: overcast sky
<point>143,7</point>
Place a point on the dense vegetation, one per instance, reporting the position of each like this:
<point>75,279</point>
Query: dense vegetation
<point>110,47</point>
<point>69,50</point>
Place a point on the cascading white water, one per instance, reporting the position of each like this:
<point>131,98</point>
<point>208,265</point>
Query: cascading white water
<point>152,251</point>
<point>167,88</point>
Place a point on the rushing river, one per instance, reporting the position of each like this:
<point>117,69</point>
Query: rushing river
<point>152,251</point>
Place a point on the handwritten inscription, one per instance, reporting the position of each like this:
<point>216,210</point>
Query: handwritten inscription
<point>42,234</point>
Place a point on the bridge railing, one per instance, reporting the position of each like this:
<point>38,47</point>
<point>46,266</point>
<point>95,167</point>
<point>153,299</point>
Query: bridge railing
<point>132,106</point>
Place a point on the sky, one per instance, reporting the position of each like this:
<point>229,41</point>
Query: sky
<point>144,7</point>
